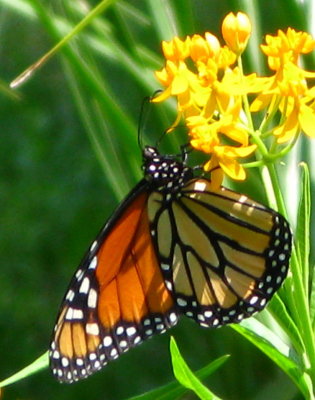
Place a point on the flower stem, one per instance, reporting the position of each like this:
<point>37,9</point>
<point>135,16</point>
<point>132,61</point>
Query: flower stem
<point>297,295</point>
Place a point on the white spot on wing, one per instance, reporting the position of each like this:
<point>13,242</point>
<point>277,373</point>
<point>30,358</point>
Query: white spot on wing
<point>114,353</point>
<point>253,300</point>
<point>242,199</point>
<point>94,244</point>
<point>169,285</point>
<point>200,186</point>
<point>69,314</point>
<point>165,267</point>
<point>131,331</point>
<point>70,295</point>
<point>208,314</point>
<point>92,329</point>
<point>79,274</point>
<point>56,354</point>
<point>85,285</point>
<point>181,302</point>
<point>64,362</point>
<point>77,314</point>
<point>120,330</point>
<point>137,340</point>
<point>107,341</point>
<point>93,263</point>
<point>92,298</point>
<point>173,317</point>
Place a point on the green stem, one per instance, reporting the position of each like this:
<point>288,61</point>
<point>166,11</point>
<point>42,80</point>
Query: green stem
<point>297,294</point>
<point>254,164</point>
<point>263,152</point>
<point>245,98</point>
<point>272,109</point>
<point>284,151</point>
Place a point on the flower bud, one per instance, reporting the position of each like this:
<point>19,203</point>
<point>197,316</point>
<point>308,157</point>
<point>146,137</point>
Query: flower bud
<point>236,30</point>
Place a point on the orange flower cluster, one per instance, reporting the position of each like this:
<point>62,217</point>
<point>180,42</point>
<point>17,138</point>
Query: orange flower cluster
<point>212,91</point>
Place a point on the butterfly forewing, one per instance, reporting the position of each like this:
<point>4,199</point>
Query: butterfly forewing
<point>116,299</point>
<point>223,254</point>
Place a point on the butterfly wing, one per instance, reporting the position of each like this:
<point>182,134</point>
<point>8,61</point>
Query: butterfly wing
<point>117,297</point>
<point>222,254</point>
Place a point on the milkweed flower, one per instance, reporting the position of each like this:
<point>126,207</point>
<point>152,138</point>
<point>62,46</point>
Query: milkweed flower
<point>288,86</point>
<point>236,30</point>
<point>216,99</point>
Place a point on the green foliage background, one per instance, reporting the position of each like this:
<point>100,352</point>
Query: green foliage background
<point>56,189</point>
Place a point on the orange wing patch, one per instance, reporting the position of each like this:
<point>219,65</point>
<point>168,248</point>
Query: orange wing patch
<point>137,288</point>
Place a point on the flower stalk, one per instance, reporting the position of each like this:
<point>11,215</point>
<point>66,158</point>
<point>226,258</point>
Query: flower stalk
<point>217,101</point>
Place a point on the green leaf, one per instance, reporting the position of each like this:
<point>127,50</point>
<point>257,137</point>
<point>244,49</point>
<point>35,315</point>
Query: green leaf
<point>312,297</point>
<point>170,391</point>
<point>280,313</point>
<point>303,225</point>
<point>186,377</point>
<point>174,390</point>
<point>278,351</point>
<point>36,366</point>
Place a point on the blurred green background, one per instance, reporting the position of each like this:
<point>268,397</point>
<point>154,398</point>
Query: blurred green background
<point>56,191</point>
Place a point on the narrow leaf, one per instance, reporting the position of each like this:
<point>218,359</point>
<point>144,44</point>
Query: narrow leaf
<point>278,351</point>
<point>303,225</point>
<point>186,377</point>
<point>280,313</point>
<point>312,297</point>
<point>36,366</point>
<point>174,390</point>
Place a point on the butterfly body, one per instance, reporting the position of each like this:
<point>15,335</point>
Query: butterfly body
<point>174,246</point>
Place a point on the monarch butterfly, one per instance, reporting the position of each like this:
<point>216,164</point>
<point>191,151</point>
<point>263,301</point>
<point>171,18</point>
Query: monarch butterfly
<point>173,247</point>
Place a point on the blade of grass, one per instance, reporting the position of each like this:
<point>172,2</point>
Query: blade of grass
<point>42,12</point>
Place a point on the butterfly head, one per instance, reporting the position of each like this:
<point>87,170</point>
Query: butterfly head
<point>166,173</point>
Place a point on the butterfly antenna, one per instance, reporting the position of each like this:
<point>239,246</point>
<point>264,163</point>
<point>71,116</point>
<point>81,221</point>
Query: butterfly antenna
<point>185,150</point>
<point>142,114</point>
<point>140,120</point>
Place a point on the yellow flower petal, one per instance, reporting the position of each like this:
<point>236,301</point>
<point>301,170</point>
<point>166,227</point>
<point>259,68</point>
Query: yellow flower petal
<point>165,94</point>
<point>199,48</point>
<point>233,169</point>
<point>307,120</point>
<point>287,130</point>
<point>179,85</point>
<point>176,49</point>
<point>217,173</point>
<point>214,44</point>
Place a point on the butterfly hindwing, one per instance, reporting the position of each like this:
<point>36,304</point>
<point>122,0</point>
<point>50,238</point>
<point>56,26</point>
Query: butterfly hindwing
<point>222,254</point>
